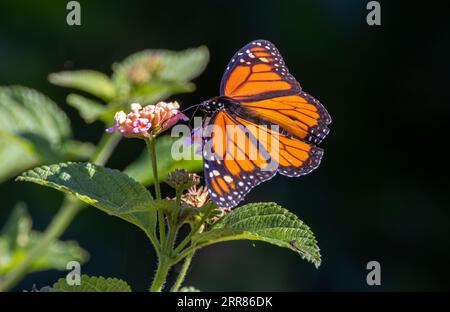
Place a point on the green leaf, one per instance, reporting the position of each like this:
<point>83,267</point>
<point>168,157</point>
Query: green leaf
<point>160,65</point>
<point>92,284</point>
<point>93,82</point>
<point>266,222</point>
<point>89,110</point>
<point>17,240</point>
<point>33,130</point>
<point>146,93</point>
<point>141,171</point>
<point>106,189</point>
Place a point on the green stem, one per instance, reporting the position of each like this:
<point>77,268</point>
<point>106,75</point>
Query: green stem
<point>155,243</point>
<point>58,225</point>
<point>152,152</point>
<point>173,225</point>
<point>183,254</point>
<point>182,274</point>
<point>163,253</point>
<point>194,231</point>
<point>176,212</point>
<point>61,220</point>
<point>161,274</point>
<point>107,144</point>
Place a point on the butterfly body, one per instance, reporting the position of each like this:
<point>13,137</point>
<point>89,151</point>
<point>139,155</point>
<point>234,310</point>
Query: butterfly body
<point>263,124</point>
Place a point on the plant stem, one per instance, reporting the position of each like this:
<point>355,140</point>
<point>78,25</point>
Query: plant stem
<point>183,254</point>
<point>152,152</point>
<point>194,231</point>
<point>173,225</point>
<point>163,253</point>
<point>61,220</point>
<point>161,274</point>
<point>107,144</point>
<point>58,225</point>
<point>176,212</point>
<point>182,274</point>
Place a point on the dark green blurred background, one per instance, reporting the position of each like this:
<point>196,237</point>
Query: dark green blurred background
<point>381,192</point>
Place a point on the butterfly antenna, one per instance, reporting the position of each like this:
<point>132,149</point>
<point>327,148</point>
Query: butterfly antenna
<point>190,107</point>
<point>193,115</point>
<point>196,106</point>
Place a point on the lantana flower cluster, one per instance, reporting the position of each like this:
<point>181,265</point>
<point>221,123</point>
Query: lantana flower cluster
<point>147,121</point>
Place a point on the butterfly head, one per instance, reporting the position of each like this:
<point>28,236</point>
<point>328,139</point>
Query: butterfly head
<point>211,106</point>
<point>216,104</point>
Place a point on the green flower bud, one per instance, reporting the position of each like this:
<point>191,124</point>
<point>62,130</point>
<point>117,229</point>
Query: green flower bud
<point>182,180</point>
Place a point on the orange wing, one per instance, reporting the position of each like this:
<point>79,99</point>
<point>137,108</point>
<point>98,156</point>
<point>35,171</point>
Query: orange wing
<point>300,115</point>
<point>239,155</point>
<point>257,72</point>
<point>258,78</point>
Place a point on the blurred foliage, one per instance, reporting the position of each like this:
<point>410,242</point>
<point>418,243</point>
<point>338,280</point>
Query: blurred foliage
<point>144,77</point>
<point>34,131</point>
<point>90,81</point>
<point>17,239</point>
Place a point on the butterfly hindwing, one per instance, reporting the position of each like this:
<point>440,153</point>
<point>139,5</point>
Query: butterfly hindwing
<point>300,115</point>
<point>293,157</point>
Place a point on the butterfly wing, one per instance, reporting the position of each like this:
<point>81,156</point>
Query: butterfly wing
<point>301,115</point>
<point>293,157</point>
<point>239,155</point>
<point>230,173</point>
<point>257,72</point>
<point>277,126</point>
<point>258,78</point>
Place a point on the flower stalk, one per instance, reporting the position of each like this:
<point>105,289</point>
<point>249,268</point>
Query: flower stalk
<point>151,146</point>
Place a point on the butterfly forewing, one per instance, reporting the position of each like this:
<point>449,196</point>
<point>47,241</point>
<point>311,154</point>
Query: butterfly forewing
<point>257,72</point>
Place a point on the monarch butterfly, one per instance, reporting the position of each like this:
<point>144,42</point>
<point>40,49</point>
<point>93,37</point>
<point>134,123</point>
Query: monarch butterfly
<point>257,91</point>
